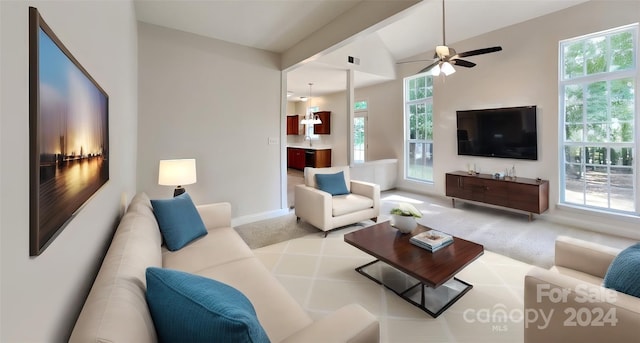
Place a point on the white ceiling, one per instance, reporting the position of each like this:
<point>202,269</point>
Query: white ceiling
<point>277,25</point>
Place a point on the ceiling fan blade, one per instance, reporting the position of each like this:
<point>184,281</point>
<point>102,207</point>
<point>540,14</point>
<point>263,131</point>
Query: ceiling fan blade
<point>463,63</point>
<point>414,61</point>
<point>478,52</point>
<point>428,67</point>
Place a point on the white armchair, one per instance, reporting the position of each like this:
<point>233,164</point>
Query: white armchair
<point>327,212</point>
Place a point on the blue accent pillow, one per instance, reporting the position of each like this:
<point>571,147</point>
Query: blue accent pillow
<point>332,183</point>
<point>192,308</point>
<point>179,221</point>
<point>623,274</point>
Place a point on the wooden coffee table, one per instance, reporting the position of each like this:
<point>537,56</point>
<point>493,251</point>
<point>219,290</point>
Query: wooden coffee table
<point>425,279</point>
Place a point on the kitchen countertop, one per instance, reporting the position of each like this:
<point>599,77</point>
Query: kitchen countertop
<point>306,146</point>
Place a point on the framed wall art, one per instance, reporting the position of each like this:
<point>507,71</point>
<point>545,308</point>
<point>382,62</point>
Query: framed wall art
<point>68,135</point>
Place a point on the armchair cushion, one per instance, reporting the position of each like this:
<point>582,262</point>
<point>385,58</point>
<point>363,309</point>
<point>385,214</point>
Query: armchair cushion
<point>623,274</point>
<point>332,183</point>
<point>344,204</point>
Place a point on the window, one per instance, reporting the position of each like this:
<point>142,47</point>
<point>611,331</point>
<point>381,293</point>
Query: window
<point>418,117</point>
<point>309,128</point>
<point>598,107</point>
<point>360,131</point>
<point>361,105</point>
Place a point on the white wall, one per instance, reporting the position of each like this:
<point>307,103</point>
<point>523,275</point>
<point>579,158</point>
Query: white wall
<point>385,120</point>
<point>42,296</point>
<point>524,73</point>
<point>216,102</point>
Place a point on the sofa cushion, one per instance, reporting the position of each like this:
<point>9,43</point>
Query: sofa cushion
<point>278,312</point>
<point>350,203</point>
<point>332,183</point>
<point>623,274</point>
<point>219,246</point>
<point>192,308</point>
<point>179,221</point>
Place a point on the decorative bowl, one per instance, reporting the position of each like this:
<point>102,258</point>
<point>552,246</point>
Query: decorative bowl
<point>404,224</point>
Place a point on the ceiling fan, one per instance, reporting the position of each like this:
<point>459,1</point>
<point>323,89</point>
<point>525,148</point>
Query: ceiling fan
<point>445,57</point>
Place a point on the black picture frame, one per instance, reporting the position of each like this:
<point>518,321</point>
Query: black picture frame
<point>68,135</point>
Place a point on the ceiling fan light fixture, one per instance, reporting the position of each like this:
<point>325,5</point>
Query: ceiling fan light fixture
<point>447,69</point>
<point>442,50</point>
<point>435,71</point>
<point>445,57</point>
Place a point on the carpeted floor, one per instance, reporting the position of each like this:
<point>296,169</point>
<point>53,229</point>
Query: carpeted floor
<point>503,232</point>
<point>272,231</point>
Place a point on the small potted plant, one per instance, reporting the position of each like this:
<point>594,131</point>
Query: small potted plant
<point>403,217</point>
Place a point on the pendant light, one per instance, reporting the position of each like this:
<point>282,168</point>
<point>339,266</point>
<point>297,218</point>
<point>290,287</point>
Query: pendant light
<point>309,118</point>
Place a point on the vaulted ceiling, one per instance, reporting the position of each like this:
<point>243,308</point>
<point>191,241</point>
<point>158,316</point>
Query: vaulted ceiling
<point>279,25</point>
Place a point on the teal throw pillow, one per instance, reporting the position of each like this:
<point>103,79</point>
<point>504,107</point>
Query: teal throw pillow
<point>192,308</point>
<point>332,183</point>
<point>179,221</point>
<point>623,274</point>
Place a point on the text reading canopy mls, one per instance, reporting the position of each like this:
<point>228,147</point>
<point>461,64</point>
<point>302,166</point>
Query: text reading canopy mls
<point>498,132</point>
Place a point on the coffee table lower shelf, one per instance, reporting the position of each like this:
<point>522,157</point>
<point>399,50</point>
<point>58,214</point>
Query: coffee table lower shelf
<point>434,301</point>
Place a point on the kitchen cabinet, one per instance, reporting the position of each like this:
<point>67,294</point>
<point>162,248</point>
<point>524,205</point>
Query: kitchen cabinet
<point>529,195</point>
<point>295,158</point>
<point>322,158</point>
<point>298,158</point>
<point>293,125</point>
<point>325,127</point>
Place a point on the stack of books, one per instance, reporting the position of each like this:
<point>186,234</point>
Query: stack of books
<point>431,240</point>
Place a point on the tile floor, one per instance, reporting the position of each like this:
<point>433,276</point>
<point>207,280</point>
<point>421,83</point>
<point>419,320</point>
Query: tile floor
<point>319,273</point>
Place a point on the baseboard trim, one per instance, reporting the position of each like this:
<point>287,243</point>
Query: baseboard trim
<point>259,216</point>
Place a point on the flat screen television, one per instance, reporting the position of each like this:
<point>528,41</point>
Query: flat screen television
<point>498,132</point>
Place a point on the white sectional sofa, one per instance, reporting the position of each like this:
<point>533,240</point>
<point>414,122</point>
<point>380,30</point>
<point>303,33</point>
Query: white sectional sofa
<point>569,302</point>
<point>116,310</point>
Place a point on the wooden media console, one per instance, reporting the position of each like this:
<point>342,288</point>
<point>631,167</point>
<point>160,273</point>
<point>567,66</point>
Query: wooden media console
<point>519,193</point>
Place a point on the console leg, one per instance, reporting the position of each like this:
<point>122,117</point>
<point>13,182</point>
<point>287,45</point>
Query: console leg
<point>453,202</point>
<point>530,216</point>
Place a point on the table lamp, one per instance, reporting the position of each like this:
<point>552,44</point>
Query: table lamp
<point>177,173</point>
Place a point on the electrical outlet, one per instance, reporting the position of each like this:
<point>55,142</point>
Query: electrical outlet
<point>273,140</point>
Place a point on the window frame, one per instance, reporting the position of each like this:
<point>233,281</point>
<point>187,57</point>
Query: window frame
<point>427,101</point>
<point>360,112</point>
<point>584,81</point>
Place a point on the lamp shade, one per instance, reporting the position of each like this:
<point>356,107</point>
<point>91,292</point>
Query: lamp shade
<point>177,172</point>
<point>436,70</point>
<point>447,69</point>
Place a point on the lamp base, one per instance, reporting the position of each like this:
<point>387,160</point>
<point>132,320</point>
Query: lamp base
<point>179,190</point>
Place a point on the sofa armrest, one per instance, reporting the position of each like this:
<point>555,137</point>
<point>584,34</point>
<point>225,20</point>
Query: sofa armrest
<point>562,308</point>
<point>351,323</point>
<point>314,206</point>
<point>583,256</point>
<point>215,215</point>
<point>367,189</point>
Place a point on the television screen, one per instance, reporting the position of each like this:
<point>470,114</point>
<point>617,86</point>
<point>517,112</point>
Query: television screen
<point>498,132</point>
